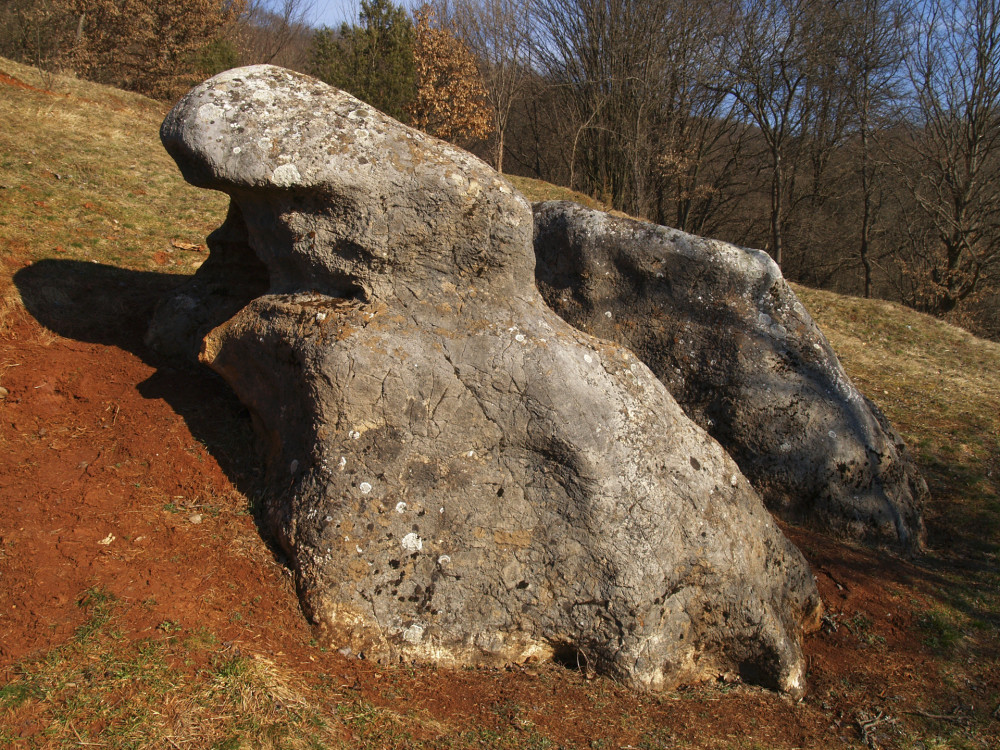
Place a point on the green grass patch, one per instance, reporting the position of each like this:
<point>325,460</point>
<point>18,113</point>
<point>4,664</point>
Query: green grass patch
<point>103,689</point>
<point>942,632</point>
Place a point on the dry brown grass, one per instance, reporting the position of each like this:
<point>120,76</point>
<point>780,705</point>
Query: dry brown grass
<point>536,190</point>
<point>84,177</point>
<point>11,304</point>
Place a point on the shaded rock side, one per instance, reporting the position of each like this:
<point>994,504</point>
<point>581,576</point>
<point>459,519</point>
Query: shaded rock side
<point>727,336</point>
<point>229,278</point>
<point>458,475</point>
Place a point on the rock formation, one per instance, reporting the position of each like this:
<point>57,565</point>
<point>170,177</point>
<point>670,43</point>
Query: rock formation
<point>727,336</point>
<point>459,475</point>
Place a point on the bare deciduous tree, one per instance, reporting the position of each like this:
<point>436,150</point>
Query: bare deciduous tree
<point>698,140</point>
<point>874,49</point>
<point>954,153</point>
<point>604,59</point>
<point>498,33</point>
<point>767,58</point>
<point>277,33</point>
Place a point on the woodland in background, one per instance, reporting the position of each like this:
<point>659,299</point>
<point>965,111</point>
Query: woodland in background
<point>857,141</point>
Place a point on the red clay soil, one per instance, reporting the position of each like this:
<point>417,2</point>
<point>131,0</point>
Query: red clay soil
<point>120,472</point>
<point>7,80</point>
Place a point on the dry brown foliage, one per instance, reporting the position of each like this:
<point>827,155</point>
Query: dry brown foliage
<point>451,102</point>
<point>142,46</point>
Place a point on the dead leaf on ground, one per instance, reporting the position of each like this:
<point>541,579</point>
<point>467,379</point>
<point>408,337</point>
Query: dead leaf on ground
<point>181,245</point>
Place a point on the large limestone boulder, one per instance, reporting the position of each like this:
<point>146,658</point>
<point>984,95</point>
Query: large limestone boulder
<point>458,474</point>
<point>727,336</point>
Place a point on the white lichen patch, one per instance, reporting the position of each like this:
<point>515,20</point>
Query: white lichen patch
<point>414,633</point>
<point>286,175</point>
<point>412,543</point>
<point>365,487</point>
<point>262,95</point>
<point>210,113</point>
<point>400,507</point>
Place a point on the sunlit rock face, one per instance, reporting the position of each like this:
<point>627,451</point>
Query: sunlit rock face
<point>727,336</point>
<point>459,475</point>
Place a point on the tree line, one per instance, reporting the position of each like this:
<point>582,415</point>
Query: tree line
<point>857,141</point>
<point>155,48</point>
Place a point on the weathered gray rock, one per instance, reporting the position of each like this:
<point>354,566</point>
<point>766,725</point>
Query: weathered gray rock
<point>459,475</point>
<point>727,336</point>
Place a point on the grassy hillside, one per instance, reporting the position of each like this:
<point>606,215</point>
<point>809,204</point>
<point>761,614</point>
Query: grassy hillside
<point>139,606</point>
<point>84,176</point>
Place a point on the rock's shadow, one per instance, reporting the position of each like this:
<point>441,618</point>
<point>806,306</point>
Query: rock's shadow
<point>112,306</point>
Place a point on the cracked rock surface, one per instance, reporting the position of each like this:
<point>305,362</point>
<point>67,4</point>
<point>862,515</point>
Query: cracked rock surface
<point>728,337</point>
<point>458,475</point>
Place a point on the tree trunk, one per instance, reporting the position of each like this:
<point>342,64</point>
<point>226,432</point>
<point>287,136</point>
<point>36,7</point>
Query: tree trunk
<point>866,213</point>
<point>777,199</point>
<point>499,156</point>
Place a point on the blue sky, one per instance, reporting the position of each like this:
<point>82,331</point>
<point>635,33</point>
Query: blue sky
<point>332,12</point>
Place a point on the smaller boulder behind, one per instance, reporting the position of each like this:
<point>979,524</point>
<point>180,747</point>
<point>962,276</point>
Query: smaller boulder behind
<point>727,336</point>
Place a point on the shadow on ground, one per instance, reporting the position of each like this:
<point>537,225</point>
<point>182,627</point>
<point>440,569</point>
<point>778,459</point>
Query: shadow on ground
<point>112,306</point>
